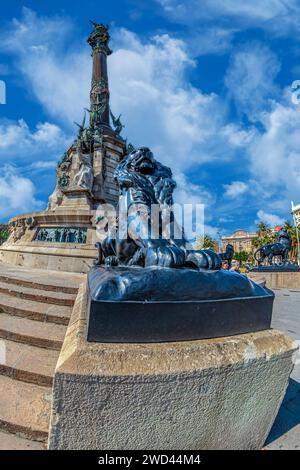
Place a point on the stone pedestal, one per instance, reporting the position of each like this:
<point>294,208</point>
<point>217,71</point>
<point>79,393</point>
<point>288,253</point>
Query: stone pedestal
<point>71,207</point>
<point>26,250</point>
<point>277,280</point>
<point>206,394</point>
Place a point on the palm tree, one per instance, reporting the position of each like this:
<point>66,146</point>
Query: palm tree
<point>263,228</point>
<point>205,241</point>
<point>293,232</point>
<point>264,235</point>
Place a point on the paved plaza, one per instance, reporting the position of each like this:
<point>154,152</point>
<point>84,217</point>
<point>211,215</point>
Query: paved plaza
<point>285,433</point>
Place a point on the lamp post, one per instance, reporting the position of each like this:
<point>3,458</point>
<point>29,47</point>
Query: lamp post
<point>220,241</point>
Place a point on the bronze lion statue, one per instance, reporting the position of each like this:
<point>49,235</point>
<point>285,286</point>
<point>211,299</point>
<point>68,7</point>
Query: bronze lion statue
<point>281,249</point>
<point>145,183</point>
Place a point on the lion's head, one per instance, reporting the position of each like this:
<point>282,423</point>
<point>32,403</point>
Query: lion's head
<point>140,171</point>
<point>142,161</point>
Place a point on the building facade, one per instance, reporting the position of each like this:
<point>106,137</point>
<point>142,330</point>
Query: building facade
<point>296,213</point>
<point>240,239</point>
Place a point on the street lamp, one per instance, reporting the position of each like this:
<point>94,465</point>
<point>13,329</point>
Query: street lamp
<point>220,240</point>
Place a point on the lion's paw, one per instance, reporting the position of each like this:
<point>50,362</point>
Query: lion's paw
<point>169,256</point>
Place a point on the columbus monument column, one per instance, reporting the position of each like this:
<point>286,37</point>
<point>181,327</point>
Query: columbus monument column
<point>99,95</point>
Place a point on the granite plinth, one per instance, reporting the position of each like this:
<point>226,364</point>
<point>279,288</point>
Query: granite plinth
<point>164,304</point>
<point>277,279</point>
<point>221,393</point>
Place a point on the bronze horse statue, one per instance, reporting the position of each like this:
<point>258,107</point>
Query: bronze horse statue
<point>280,248</point>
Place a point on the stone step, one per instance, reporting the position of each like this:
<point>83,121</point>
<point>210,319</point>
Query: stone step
<point>37,295</point>
<point>35,310</point>
<point>35,333</point>
<point>41,279</point>
<point>10,441</point>
<point>24,409</point>
<point>28,363</point>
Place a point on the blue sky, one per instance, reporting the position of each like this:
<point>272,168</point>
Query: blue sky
<point>206,84</point>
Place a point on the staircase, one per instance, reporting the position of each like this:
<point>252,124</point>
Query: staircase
<point>35,307</point>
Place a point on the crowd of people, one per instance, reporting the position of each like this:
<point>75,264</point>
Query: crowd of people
<point>234,267</point>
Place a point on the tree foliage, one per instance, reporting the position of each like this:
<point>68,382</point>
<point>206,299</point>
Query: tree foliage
<point>241,256</point>
<point>293,232</point>
<point>205,241</point>
<point>264,235</point>
<point>4,233</point>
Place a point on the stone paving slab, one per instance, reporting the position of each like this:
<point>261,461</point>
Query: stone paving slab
<point>285,434</point>
<point>34,306</point>
<point>29,363</point>
<point>50,280</point>
<point>13,442</point>
<point>24,408</point>
<point>36,333</point>
<point>37,295</point>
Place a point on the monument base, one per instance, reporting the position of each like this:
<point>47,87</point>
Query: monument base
<point>24,248</point>
<point>205,394</point>
<point>71,209</point>
<point>277,279</point>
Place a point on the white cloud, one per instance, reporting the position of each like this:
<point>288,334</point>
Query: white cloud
<point>17,194</point>
<point>234,189</point>
<point>149,85</point>
<point>35,152</point>
<point>214,24</point>
<point>237,136</point>
<point>210,40</point>
<point>271,219</point>
<point>275,154</point>
<point>58,77</point>
<point>189,193</point>
<point>44,165</point>
<point>278,16</point>
<point>161,109</point>
<point>18,141</point>
<point>250,79</point>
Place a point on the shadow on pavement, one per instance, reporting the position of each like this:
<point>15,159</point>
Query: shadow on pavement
<point>289,414</point>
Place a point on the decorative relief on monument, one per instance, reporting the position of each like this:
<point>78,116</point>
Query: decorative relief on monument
<point>17,230</point>
<point>118,126</point>
<point>64,181</point>
<point>30,222</point>
<point>98,138</point>
<point>61,235</point>
<point>55,200</point>
<point>85,176</point>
